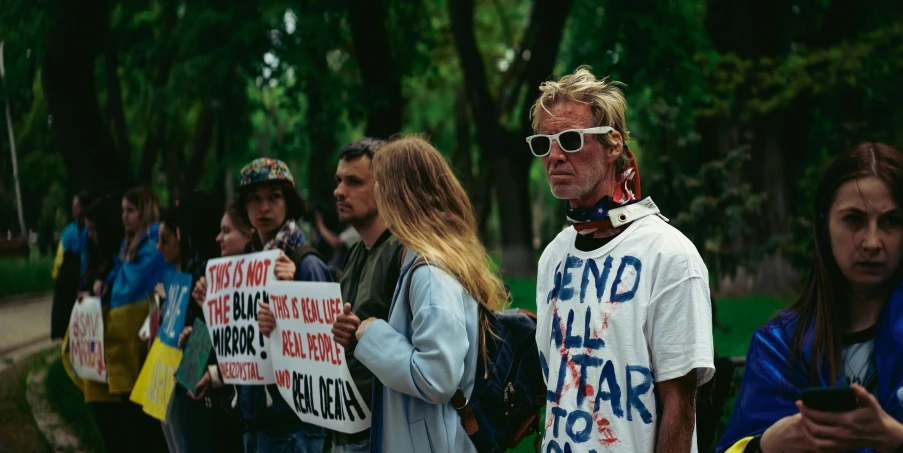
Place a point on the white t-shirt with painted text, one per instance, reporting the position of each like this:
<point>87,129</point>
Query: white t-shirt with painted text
<point>611,323</point>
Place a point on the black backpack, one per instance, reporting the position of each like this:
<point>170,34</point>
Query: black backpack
<point>507,397</point>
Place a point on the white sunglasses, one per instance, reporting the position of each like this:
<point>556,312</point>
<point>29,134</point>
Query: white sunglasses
<point>570,140</point>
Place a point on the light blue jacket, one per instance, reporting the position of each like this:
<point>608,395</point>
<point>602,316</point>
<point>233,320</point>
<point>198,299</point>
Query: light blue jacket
<point>419,364</point>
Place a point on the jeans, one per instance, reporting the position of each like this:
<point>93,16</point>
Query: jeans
<point>187,426</point>
<point>361,446</point>
<point>302,439</point>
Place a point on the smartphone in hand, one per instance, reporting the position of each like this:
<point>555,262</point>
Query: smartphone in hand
<point>830,399</point>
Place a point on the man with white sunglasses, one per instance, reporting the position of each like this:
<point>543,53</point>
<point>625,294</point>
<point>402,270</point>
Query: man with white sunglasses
<point>624,319</point>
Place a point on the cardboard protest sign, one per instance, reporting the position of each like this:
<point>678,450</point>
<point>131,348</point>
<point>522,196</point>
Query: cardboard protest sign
<point>178,296</point>
<point>234,287</point>
<point>86,340</point>
<point>154,386</point>
<point>195,356</point>
<point>311,370</point>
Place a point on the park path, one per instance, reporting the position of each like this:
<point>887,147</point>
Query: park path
<point>25,330</point>
<point>24,327</point>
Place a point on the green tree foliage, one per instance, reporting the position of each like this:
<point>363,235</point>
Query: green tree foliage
<point>734,106</point>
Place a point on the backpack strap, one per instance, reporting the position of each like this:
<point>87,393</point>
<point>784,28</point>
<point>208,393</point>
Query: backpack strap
<point>458,401</point>
<point>462,407</point>
<point>298,253</point>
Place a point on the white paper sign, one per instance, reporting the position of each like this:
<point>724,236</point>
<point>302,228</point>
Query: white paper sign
<point>86,348</point>
<point>311,371</point>
<point>234,287</point>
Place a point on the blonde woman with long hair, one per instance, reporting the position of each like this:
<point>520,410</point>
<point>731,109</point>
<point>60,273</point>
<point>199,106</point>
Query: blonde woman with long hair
<point>137,268</point>
<point>430,344</point>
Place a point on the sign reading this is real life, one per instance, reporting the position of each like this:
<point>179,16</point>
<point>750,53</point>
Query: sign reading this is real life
<point>234,287</point>
<point>311,371</point>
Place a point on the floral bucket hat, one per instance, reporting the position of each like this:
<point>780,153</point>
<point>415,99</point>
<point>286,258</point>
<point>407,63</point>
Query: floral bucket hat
<point>264,170</point>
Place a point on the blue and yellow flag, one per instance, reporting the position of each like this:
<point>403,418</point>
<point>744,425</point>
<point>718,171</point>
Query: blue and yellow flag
<point>155,383</point>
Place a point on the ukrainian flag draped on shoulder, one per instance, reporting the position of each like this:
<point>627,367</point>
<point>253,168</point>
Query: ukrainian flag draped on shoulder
<point>132,282</point>
<point>774,379</point>
<point>124,352</point>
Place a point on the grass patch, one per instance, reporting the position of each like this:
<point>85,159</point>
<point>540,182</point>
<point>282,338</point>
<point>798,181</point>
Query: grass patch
<point>738,318</point>
<point>18,431</point>
<point>69,402</point>
<point>523,292</point>
<point>26,275</point>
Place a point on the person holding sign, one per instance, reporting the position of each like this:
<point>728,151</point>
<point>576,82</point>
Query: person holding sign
<point>234,235</point>
<point>187,240</point>
<point>70,265</point>
<point>624,318</point>
<point>845,330</point>
<point>371,270</point>
<point>137,269</point>
<point>428,346</point>
<point>271,202</point>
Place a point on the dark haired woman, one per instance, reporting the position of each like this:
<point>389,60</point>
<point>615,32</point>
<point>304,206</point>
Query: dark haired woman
<point>270,201</point>
<point>232,238</point>
<point>103,221</point>
<point>846,328</point>
<point>187,239</point>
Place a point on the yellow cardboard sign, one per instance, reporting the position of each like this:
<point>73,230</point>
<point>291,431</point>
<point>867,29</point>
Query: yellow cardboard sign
<point>154,386</point>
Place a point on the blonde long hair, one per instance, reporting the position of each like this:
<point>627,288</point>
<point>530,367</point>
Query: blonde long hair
<point>148,206</point>
<point>419,197</point>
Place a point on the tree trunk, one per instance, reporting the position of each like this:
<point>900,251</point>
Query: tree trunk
<point>203,137</point>
<point>505,160</point>
<point>462,156</point>
<point>172,162</point>
<point>512,192</point>
<point>545,29</point>
<point>484,113</point>
<point>89,154</point>
<point>382,83</point>
<point>223,187</point>
<point>114,104</point>
<point>321,127</point>
<point>152,144</point>
<point>156,134</point>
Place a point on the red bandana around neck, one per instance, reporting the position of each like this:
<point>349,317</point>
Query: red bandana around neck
<point>626,192</point>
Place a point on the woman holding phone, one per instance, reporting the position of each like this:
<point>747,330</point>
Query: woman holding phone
<point>846,329</point>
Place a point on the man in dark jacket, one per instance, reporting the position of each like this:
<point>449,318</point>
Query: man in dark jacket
<point>371,269</point>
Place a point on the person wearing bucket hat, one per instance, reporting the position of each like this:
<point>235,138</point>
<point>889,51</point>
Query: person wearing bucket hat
<point>651,341</point>
<point>269,199</point>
